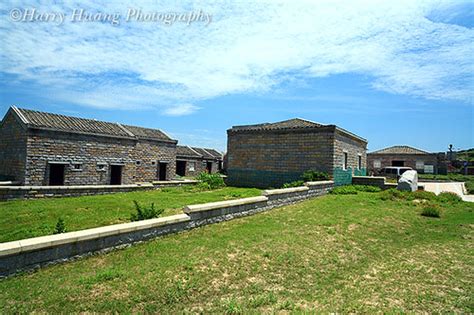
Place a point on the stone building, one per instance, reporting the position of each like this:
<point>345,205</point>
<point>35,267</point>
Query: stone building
<point>38,148</point>
<point>403,155</point>
<point>271,154</point>
<point>190,161</point>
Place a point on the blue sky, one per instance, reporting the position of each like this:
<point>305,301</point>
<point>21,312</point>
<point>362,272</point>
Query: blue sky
<point>392,72</point>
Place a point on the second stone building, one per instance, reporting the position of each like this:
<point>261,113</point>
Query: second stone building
<point>271,154</point>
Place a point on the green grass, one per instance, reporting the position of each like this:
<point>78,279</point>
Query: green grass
<point>337,253</point>
<point>467,179</point>
<point>30,218</point>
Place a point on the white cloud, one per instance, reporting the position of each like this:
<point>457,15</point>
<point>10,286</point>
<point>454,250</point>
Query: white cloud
<point>180,110</point>
<point>249,47</point>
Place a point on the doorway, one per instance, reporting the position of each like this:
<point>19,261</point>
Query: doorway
<point>209,167</point>
<point>181,168</point>
<point>115,174</point>
<point>398,163</point>
<point>56,174</point>
<point>162,171</point>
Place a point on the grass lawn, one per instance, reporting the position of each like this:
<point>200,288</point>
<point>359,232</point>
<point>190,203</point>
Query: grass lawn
<point>30,218</point>
<point>467,179</point>
<point>337,253</point>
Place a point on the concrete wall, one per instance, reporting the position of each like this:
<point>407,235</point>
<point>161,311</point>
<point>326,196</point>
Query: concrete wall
<point>40,251</point>
<point>139,158</point>
<point>12,149</point>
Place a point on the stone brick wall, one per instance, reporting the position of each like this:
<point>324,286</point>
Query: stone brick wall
<point>272,158</point>
<point>354,149</point>
<point>12,149</point>
<point>199,165</point>
<point>409,160</point>
<point>139,158</point>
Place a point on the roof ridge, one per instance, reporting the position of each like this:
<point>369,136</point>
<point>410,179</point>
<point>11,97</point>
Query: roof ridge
<point>194,151</point>
<point>126,130</point>
<point>20,114</point>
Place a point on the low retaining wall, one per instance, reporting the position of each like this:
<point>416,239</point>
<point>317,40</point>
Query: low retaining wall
<point>30,192</point>
<point>40,251</point>
<point>378,181</point>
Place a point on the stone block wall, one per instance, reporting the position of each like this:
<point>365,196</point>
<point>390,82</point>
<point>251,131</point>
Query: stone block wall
<point>199,165</point>
<point>139,159</point>
<point>12,150</point>
<point>271,158</point>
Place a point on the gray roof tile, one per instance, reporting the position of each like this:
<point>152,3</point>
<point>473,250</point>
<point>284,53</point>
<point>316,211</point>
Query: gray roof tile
<point>42,120</point>
<point>295,123</point>
<point>400,149</point>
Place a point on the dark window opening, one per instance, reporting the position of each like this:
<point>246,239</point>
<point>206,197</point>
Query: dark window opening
<point>209,167</point>
<point>56,174</point>
<point>162,171</point>
<point>181,168</point>
<point>115,174</point>
<point>345,160</point>
<point>398,163</point>
<point>360,162</point>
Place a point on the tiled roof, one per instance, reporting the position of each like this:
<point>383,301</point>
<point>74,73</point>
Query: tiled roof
<point>185,151</point>
<point>295,123</point>
<point>42,120</point>
<point>204,153</point>
<point>400,149</point>
<point>215,153</point>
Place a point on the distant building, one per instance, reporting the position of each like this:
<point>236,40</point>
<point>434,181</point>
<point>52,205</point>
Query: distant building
<point>190,161</point>
<point>271,154</point>
<point>402,155</point>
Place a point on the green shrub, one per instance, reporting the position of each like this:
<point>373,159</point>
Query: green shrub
<point>421,194</point>
<point>344,190</point>
<point>214,181</point>
<point>448,197</point>
<point>145,213</point>
<point>367,188</point>
<point>296,183</point>
<point>311,175</point>
<point>469,187</point>
<point>391,194</point>
<point>430,211</point>
<point>60,227</point>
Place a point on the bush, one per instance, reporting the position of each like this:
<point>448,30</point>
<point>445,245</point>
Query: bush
<point>391,194</point>
<point>310,176</point>
<point>344,190</point>
<point>431,211</point>
<point>296,183</point>
<point>448,197</point>
<point>214,181</point>
<point>367,188</point>
<point>60,227</point>
<point>145,213</point>
<point>421,194</point>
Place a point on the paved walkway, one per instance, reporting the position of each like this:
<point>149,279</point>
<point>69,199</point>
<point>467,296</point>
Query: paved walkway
<point>457,188</point>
